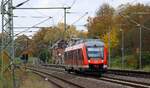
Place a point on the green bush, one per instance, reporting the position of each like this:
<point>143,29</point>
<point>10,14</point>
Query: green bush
<point>116,62</point>
<point>147,68</point>
<point>44,55</point>
<point>0,61</point>
<point>131,62</point>
<point>145,59</point>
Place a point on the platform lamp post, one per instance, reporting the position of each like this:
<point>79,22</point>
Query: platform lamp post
<point>140,46</point>
<point>122,48</point>
<point>109,41</point>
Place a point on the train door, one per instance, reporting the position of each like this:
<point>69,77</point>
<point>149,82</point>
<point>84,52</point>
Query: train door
<point>80,54</point>
<point>75,58</point>
<point>72,59</point>
<point>66,58</point>
<point>76,55</point>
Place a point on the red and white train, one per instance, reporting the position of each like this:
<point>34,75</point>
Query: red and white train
<point>86,55</point>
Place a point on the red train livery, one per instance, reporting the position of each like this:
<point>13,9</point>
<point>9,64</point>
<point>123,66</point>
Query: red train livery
<point>86,55</point>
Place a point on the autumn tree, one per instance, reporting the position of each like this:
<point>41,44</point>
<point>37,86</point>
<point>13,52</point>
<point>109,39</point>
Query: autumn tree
<point>23,45</point>
<point>102,23</point>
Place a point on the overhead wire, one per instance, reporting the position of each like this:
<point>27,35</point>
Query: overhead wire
<point>77,21</point>
<point>46,15</point>
<point>30,16</point>
<point>41,16</point>
<point>80,18</point>
<point>37,10</point>
<point>133,21</point>
<point>74,1</point>
<point>33,26</point>
<point>18,5</point>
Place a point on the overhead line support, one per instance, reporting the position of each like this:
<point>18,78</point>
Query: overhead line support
<point>42,8</point>
<point>7,40</point>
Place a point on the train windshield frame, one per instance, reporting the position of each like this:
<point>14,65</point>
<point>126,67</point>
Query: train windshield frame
<point>95,52</point>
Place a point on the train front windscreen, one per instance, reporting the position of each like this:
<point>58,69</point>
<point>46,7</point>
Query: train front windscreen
<point>95,52</point>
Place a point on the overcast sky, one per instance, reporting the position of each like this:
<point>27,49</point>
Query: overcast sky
<point>78,9</point>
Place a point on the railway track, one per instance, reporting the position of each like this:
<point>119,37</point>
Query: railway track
<point>123,81</point>
<point>129,73</point>
<point>56,80</point>
<point>113,71</point>
<point>106,78</point>
<point>130,83</point>
<point>126,82</point>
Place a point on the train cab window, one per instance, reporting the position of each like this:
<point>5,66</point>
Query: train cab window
<point>95,52</point>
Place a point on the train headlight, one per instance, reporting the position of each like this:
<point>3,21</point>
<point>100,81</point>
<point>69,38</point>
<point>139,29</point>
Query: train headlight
<point>89,61</point>
<point>102,61</point>
<point>104,66</point>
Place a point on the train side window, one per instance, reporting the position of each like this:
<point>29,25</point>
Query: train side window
<point>73,54</point>
<point>77,54</point>
<point>80,54</point>
<point>65,55</point>
<point>69,55</point>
